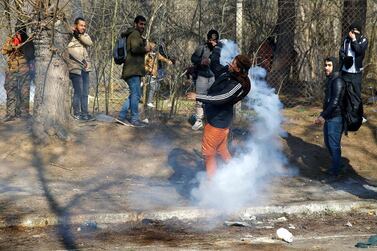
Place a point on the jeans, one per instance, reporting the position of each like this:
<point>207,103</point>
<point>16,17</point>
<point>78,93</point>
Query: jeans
<point>80,92</point>
<point>132,101</point>
<point>332,132</point>
<point>154,85</point>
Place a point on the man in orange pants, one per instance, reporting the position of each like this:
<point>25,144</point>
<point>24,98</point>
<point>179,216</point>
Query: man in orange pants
<point>231,85</point>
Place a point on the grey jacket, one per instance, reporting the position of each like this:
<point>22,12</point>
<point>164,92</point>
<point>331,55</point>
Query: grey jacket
<point>201,52</point>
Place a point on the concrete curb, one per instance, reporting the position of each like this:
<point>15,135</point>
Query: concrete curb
<point>189,213</point>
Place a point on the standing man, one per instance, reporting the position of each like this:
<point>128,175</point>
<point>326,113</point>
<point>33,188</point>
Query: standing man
<point>231,85</point>
<point>205,77</point>
<point>133,69</point>
<point>351,56</point>
<point>79,67</point>
<point>20,55</point>
<point>152,60</point>
<point>331,116</point>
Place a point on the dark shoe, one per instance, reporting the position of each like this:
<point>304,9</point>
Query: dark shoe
<point>138,123</point>
<point>87,117</point>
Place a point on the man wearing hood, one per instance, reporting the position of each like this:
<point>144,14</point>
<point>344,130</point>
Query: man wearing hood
<point>205,77</point>
<point>351,56</point>
<point>331,116</point>
<point>133,69</point>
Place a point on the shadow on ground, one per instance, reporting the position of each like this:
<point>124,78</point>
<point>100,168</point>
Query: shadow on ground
<point>313,160</point>
<point>186,166</point>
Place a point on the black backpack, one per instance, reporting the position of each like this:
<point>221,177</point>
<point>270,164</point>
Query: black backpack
<point>352,109</point>
<point>120,50</point>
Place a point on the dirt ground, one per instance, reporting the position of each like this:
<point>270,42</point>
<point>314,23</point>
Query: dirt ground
<point>107,150</point>
<point>311,232</point>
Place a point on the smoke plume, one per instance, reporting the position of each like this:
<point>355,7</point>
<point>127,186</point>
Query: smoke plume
<point>244,180</point>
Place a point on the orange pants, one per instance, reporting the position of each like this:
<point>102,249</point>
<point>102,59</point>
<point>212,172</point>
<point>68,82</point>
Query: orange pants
<point>215,141</point>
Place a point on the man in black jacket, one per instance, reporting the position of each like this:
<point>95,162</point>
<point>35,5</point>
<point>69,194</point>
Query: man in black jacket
<point>331,116</point>
<point>231,85</point>
<point>351,56</point>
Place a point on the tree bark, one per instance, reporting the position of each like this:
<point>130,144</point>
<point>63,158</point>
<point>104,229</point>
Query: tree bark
<point>51,102</point>
<point>284,55</point>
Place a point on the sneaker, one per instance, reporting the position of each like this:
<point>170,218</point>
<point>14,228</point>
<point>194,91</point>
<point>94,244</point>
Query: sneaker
<point>138,123</point>
<point>87,117</point>
<point>76,116</point>
<point>151,105</point>
<point>364,120</point>
<point>198,124</point>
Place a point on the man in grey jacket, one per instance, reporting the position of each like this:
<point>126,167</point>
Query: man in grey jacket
<point>205,77</point>
<point>79,67</point>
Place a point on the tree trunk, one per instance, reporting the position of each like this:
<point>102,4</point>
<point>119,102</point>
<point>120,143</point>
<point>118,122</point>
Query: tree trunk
<point>284,55</point>
<point>51,102</point>
<point>353,11</point>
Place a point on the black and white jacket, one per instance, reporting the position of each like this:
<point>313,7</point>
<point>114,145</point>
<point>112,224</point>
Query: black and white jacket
<point>223,94</point>
<point>358,48</point>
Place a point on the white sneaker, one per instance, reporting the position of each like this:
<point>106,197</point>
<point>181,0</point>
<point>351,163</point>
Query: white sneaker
<point>364,120</point>
<point>150,105</point>
<point>198,124</point>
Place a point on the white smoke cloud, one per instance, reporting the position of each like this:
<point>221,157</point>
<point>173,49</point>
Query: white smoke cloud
<point>245,179</point>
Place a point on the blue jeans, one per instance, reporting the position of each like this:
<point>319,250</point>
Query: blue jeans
<point>154,85</point>
<point>80,92</point>
<point>332,132</point>
<point>132,101</point>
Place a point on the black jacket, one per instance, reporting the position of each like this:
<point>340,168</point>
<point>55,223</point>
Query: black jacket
<point>359,46</point>
<point>223,94</point>
<point>334,95</point>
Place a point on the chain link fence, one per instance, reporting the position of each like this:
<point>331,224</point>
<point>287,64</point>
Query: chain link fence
<point>289,38</point>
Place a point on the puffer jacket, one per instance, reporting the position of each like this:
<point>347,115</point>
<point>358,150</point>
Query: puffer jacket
<point>17,61</point>
<point>151,63</point>
<point>134,65</point>
<point>78,55</point>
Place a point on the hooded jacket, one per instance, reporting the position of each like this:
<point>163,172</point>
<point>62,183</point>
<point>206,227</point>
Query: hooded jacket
<point>334,94</point>
<point>78,55</point>
<point>226,91</point>
<point>134,64</point>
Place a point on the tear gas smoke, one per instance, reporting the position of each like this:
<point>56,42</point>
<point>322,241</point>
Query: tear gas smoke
<point>244,180</point>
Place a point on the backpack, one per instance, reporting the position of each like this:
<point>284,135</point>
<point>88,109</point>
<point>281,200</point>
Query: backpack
<point>352,109</point>
<point>120,51</point>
